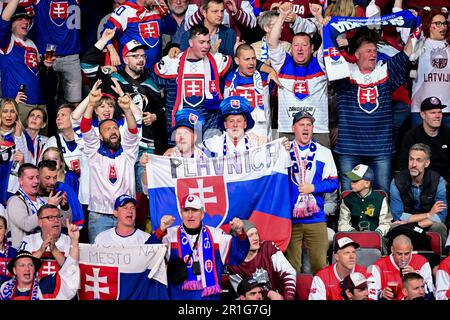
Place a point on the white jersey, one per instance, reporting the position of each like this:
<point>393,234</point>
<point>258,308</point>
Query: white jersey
<point>433,75</point>
<point>256,90</point>
<point>72,155</point>
<point>33,242</point>
<point>443,280</point>
<point>305,88</point>
<point>223,145</point>
<point>110,237</point>
<point>111,175</point>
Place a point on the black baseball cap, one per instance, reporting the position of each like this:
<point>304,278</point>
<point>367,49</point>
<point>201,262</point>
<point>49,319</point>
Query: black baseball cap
<point>431,103</point>
<point>302,114</point>
<point>246,285</point>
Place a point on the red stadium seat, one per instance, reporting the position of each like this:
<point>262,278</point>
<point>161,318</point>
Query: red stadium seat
<point>304,281</point>
<point>436,243</point>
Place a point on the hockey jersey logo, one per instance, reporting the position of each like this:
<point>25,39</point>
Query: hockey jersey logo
<point>211,190</point>
<point>98,282</point>
<point>253,98</point>
<point>333,53</point>
<point>300,89</point>
<point>193,91</point>
<point>48,267</point>
<point>149,31</point>
<point>368,99</point>
<point>31,59</point>
<point>59,12</point>
<point>112,174</point>
<point>75,165</point>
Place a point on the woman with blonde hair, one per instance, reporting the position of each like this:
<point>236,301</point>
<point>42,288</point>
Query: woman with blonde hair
<point>54,154</point>
<point>12,148</point>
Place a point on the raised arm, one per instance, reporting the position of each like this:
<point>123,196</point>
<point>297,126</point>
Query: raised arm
<point>9,10</point>
<point>274,36</point>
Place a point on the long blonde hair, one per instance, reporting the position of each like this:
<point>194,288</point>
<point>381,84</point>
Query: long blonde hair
<point>4,102</point>
<point>341,8</point>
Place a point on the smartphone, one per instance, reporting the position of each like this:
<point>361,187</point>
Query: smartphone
<point>22,88</point>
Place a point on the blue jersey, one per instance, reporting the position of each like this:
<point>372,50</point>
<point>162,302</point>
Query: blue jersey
<point>19,64</point>
<point>146,26</point>
<point>365,108</point>
<point>57,22</point>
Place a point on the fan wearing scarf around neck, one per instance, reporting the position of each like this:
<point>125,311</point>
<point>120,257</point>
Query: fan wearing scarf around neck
<point>211,250</point>
<point>234,120</point>
<point>25,285</point>
<point>313,173</point>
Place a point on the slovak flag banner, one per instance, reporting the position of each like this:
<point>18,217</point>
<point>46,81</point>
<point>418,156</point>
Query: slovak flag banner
<point>123,273</point>
<point>250,185</point>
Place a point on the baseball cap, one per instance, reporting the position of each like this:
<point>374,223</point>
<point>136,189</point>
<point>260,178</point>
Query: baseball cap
<point>187,118</point>
<point>354,280</point>
<point>20,13</point>
<point>235,105</point>
<point>345,242</point>
<point>24,254</point>
<point>431,103</point>
<point>133,45</point>
<point>246,285</point>
<point>360,172</point>
<point>302,114</point>
<point>123,200</point>
<point>192,201</point>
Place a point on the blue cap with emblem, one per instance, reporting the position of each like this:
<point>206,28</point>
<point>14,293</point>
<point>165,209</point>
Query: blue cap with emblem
<point>235,105</point>
<point>123,200</point>
<point>188,118</point>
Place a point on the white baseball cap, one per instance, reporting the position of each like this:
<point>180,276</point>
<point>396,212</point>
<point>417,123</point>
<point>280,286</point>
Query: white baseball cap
<point>354,280</point>
<point>192,201</point>
<point>344,242</point>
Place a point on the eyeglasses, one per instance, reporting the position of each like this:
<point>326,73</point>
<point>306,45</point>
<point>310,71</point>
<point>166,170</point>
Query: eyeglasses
<point>52,218</point>
<point>440,23</point>
<point>137,56</point>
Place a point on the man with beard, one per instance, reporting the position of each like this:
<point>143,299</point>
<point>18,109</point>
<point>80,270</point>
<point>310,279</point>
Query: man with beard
<point>49,245</point>
<point>178,9</point>
<point>62,194</point>
<point>418,193</point>
<point>432,133</point>
<point>266,264</point>
<point>144,21</point>
<point>111,162</point>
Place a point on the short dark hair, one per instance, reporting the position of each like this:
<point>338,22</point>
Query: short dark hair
<point>45,207</point>
<point>198,30</point>
<point>49,164</point>
<point>364,35</point>
<point>303,34</point>
<point>409,277</point>
<point>241,47</point>
<point>207,2</point>
<point>24,167</point>
<point>104,121</point>
<point>44,113</point>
